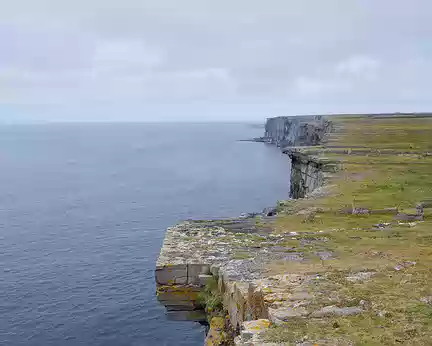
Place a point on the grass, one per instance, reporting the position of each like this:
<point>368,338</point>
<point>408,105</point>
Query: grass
<point>386,163</point>
<point>211,299</point>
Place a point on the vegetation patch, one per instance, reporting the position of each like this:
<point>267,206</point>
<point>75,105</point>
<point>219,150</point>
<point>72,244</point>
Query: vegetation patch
<point>210,298</point>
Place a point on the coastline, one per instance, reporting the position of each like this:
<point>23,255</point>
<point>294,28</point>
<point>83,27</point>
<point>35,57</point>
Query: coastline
<point>269,269</point>
<point>195,251</point>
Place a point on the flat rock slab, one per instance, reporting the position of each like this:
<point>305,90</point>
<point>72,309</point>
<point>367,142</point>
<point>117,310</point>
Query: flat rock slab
<point>296,257</point>
<point>404,265</point>
<point>359,277</point>
<point>285,314</point>
<point>325,255</point>
<point>409,217</point>
<point>336,311</point>
<point>300,296</point>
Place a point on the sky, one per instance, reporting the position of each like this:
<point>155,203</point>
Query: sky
<point>202,60</point>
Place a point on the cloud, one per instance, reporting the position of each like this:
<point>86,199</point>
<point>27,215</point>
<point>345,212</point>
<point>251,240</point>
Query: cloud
<point>116,70</point>
<point>125,57</point>
<point>309,85</point>
<point>358,65</point>
<point>344,76</point>
<point>304,56</point>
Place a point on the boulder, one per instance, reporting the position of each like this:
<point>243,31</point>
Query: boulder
<point>269,212</point>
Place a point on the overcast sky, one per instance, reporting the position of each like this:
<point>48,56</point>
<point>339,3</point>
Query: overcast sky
<point>161,60</point>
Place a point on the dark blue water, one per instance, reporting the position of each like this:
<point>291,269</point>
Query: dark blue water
<point>83,209</point>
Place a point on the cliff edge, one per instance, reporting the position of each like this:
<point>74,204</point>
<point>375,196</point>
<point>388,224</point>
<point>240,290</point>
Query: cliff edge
<point>286,131</point>
<point>350,264</point>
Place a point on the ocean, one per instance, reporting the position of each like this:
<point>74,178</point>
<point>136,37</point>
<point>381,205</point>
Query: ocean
<point>83,212</point>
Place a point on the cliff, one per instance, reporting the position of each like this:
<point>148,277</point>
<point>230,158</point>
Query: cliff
<point>349,265</point>
<point>236,251</point>
<point>297,136</point>
<point>295,131</point>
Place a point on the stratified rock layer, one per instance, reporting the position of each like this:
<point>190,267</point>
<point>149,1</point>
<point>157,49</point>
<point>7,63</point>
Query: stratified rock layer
<point>309,170</point>
<point>293,135</point>
<point>296,131</point>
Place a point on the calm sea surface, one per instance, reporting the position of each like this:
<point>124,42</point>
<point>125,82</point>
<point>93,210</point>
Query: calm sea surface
<point>83,210</point>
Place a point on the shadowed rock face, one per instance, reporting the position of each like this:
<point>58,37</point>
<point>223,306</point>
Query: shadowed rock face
<point>307,174</point>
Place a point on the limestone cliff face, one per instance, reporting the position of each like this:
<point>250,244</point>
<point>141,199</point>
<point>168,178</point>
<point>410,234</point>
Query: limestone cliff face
<point>295,131</point>
<point>307,172</point>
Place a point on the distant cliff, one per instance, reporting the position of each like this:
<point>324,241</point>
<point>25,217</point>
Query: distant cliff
<point>295,131</point>
<point>307,171</point>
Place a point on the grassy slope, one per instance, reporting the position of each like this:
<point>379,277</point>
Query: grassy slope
<point>386,163</point>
